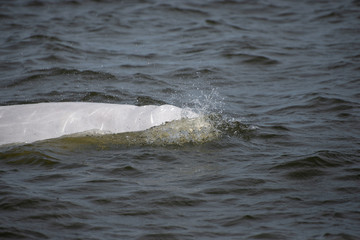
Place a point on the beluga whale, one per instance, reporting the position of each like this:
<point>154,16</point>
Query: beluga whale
<point>28,123</point>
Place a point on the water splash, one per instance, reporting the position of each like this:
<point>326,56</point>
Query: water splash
<point>207,101</point>
<point>197,92</point>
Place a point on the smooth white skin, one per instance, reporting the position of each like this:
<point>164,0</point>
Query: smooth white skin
<point>33,122</point>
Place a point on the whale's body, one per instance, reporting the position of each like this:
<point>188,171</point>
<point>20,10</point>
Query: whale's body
<point>33,122</point>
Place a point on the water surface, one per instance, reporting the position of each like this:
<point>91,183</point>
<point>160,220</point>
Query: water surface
<point>279,79</point>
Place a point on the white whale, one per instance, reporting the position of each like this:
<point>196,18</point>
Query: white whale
<point>33,122</point>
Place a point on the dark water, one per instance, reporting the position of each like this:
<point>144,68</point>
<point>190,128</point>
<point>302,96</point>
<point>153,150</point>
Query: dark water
<point>283,76</point>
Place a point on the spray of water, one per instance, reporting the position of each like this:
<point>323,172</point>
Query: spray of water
<point>207,101</point>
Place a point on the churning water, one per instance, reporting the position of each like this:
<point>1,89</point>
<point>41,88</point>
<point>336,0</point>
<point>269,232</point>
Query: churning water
<point>277,155</point>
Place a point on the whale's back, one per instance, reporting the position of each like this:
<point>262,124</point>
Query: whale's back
<point>33,122</point>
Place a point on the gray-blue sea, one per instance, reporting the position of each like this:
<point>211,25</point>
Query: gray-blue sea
<point>279,79</point>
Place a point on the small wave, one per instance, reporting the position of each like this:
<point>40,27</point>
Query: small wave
<point>178,201</point>
<point>318,104</point>
<point>193,73</point>
<point>147,100</point>
<point>52,74</point>
<point>177,12</point>
<point>45,37</point>
<point>16,233</point>
<point>23,156</point>
<point>313,165</point>
<point>260,60</point>
<point>251,59</point>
